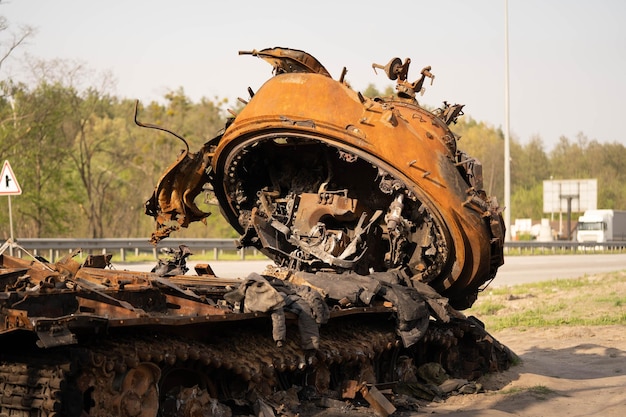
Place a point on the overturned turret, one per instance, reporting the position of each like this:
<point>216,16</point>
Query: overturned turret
<point>320,178</point>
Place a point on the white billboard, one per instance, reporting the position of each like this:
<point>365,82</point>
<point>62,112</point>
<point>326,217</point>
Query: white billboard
<point>580,194</point>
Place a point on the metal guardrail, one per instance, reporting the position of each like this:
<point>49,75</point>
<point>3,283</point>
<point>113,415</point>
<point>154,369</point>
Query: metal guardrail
<point>563,247</point>
<point>54,248</point>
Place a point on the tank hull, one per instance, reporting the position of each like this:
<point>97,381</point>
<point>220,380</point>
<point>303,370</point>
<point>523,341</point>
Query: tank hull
<point>380,233</point>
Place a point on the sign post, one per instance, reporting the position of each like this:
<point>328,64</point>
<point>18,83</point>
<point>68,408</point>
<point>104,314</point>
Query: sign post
<point>576,195</point>
<point>9,186</point>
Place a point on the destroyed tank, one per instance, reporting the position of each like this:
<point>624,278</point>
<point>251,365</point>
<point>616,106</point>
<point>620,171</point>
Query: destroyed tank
<point>379,231</point>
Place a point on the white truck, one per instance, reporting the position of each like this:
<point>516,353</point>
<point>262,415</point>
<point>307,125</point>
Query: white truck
<point>601,226</point>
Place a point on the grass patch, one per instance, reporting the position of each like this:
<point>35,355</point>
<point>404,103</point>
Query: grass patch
<point>489,308</point>
<point>587,301</point>
<point>616,300</point>
<point>539,391</point>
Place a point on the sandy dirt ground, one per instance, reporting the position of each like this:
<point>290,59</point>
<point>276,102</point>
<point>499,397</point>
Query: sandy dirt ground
<point>565,371</point>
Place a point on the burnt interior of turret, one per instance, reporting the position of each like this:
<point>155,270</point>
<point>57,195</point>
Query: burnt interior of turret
<point>313,206</point>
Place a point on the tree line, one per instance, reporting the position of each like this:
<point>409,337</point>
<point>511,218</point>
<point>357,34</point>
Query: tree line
<point>571,158</point>
<point>86,169</point>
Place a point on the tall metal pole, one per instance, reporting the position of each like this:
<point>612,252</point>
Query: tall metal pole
<point>507,148</point>
<point>12,102</point>
<point>10,227</point>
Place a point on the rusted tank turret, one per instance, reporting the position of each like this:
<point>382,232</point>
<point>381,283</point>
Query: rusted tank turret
<point>319,177</point>
<point>379,230</point>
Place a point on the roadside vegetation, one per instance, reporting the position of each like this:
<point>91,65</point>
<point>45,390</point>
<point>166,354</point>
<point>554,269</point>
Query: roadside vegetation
<point>540,392</point>
<point>586,301</point>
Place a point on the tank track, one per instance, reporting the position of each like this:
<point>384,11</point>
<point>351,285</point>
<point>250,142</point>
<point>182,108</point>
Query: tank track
<point>28,387</point>
<point>154,374</point>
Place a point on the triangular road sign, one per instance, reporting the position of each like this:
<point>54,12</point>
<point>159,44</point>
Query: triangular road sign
<point>8,182</point>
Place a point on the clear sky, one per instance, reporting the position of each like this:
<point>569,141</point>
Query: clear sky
<point>567,58</point>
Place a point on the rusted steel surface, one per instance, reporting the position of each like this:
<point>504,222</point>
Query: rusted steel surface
<point>380,232</point>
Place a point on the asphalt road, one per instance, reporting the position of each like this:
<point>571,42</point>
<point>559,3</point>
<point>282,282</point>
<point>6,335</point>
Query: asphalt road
<point>525,269</point>
<point>516,269</point>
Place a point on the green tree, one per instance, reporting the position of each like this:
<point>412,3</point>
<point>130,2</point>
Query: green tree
<point>608,166</point>
<point>567,159</point>
<point>38,155</point>
<point>529,167</point>
<point>591,159</point>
